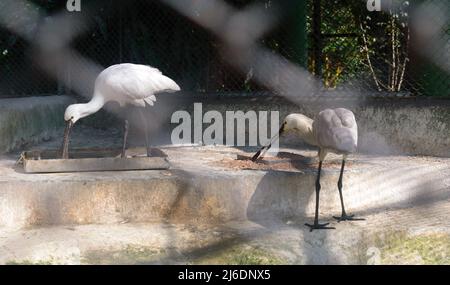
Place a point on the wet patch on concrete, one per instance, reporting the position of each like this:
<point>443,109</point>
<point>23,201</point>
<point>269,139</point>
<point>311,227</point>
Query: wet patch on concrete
<point>229,255</point>
<point>30,262</point>
<point>403,248</point>
<point>131,254</point>
<point>241,255</point>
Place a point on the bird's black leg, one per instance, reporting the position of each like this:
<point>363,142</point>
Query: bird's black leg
<point>65,145</point>
<point>125,136</point>
<point>344,216</point>
<point>147,141</point>
<point>316,225</point>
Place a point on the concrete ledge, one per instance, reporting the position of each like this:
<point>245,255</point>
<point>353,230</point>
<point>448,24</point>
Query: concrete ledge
<point>26,121</point>
<point>198,191</point>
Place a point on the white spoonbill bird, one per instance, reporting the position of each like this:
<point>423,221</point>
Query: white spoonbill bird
<point>334,130</point>
<point>127,84</point>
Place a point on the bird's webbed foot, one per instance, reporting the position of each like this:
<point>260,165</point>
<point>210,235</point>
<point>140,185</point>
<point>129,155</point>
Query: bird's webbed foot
<point>345,217</point>
<point>317,226</point>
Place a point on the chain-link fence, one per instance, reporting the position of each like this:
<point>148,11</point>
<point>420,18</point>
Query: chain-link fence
<point>340,42</point>
<point>378,51</point>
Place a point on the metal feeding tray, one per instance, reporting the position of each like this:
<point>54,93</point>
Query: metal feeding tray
<point>81,160</point>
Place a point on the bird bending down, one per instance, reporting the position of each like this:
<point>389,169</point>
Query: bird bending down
<point>127,84</point>
<point>333,130</point>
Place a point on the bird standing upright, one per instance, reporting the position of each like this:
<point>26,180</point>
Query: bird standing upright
<point>127,84</point>
<point>333,130</point>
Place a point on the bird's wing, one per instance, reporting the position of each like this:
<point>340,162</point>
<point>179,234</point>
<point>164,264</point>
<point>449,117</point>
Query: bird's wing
<point>136,84</point>
<point>337,130</point>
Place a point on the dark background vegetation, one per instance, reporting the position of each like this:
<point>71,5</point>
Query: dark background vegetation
<point>148,32</point>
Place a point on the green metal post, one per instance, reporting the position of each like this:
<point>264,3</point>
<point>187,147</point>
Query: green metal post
<point>298,33</point>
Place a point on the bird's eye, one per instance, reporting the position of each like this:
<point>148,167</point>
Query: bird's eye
<point>71,118</point>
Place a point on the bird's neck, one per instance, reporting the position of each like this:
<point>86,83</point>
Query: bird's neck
<point>307,134</point>
<point>93,106</point>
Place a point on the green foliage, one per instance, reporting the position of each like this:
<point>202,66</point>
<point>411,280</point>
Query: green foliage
<point>341,55</point>
<point>149,32</point>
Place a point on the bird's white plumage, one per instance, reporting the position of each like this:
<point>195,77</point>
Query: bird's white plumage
<point>336,130</point>
<point>301,125</point>
<point>125,83</point>
<point>133,84</point>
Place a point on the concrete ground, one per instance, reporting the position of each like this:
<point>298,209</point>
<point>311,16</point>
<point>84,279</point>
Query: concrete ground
<point>419,235</point>
<point>210,208</point>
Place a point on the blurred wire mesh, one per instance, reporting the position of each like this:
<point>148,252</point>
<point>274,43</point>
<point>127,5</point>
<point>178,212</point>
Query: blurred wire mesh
<point>340,43</point>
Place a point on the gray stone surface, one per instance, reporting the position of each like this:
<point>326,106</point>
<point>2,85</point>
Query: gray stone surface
<point>205,211</point>
<point>386,126</point>
<point>389,126</point>
<point>199,188</point>
<point>398,126</point>
<point>418,235</point>
<point>27,121</point>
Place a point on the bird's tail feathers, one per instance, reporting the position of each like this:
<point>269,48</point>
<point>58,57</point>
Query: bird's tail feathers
<point>154,69</point>
<point>150,100</point>
<point>346,141</point>
<point>170,85</point>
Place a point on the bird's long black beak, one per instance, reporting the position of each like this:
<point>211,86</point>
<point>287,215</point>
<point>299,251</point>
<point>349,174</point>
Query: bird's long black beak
<point>263,150</point>
<point>65,145</point>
